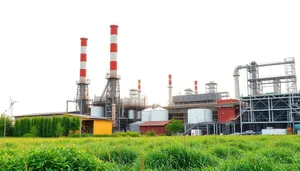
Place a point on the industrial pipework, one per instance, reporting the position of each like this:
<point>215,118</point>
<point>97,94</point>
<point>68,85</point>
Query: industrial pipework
<point>170,89</point>
<point>253,64</point>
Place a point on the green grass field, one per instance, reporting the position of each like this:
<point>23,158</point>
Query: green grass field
<point>244,153</point>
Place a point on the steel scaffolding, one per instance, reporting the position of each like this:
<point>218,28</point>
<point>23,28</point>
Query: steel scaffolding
<point>270,109</point>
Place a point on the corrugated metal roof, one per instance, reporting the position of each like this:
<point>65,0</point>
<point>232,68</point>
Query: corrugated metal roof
<point>89,117</point>
<point>137,123</point>
<point>43,114</point>
<point>155,123</point>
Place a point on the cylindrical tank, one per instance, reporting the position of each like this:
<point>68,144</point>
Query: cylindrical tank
<point>97,111</point>
<point>146,114</point>
<point>159,114</point>
<point>138,115</point>
<point>199,115</point>
<point>131,114</point>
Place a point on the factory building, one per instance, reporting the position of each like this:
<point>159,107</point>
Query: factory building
<point>269,101</point>
<point>278,108</point>
<point>267,105</point>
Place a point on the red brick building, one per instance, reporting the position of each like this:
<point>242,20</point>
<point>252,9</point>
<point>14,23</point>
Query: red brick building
<point>158,126</point>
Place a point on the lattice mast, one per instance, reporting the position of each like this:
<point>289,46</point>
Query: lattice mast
<point>112,91</point>
<point>82,85</point>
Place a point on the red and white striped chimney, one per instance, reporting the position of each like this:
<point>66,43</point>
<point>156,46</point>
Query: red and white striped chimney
<point>83,58</point>
<point>139,89</point>
<point>170,89</point>
<point>113,51</point>
<point>196,87</point>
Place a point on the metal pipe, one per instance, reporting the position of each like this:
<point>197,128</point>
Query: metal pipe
<point>236,74</point>
<point>236,80</point>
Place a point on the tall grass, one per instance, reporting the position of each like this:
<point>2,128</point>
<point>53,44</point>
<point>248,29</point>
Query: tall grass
<point>152,153</point>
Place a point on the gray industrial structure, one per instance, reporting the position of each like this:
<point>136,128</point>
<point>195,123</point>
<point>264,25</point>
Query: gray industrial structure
<point>279,108</point>
<point>260,108</point>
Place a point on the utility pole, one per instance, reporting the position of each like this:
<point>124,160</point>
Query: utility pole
<point>4,132</point>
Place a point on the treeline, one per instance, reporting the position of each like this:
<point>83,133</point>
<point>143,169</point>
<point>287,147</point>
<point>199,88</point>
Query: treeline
<point>44,127</point>
<point>6,120</point>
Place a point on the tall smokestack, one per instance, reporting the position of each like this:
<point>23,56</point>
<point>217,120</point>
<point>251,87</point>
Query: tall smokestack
<point>170,89</point>
<point>139,89</point>
<point>196,87</point>
<point>113,51</point>
<point>83,58</point>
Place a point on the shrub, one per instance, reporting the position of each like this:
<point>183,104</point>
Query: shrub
<point>150,133</point>
<point>133,134</point>
<point>61,158</point>
<point>121,134</point>
<point>28,135</point>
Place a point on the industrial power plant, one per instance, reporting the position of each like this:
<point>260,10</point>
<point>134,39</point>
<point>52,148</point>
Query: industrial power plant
<point>271,105</point>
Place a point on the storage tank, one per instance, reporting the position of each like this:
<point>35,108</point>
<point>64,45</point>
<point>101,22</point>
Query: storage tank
<point>138,116</point>
<point>146,114</point>
<point>131,114</point>
<point>97,111</point>
<point>159,114</point>
<point>199,115</point>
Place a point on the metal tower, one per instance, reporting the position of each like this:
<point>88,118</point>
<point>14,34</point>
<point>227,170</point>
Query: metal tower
<point>82,85</point>
<point>112,89</point>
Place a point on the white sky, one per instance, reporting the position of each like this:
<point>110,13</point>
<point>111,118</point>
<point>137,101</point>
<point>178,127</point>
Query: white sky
<point>192,40</point>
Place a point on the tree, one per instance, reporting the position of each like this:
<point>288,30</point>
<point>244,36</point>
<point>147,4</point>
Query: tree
<point>7,121</point>
<point>74,124</point>
<point>175,126</point>
<point>59,130</point>
<point>33,131</point>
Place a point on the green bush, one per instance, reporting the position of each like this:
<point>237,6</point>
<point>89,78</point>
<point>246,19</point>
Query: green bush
<point>133,134</point>
<point>28,135</point>
<point>61,158</point>
<point>150,133</point>
<point>121,134</point>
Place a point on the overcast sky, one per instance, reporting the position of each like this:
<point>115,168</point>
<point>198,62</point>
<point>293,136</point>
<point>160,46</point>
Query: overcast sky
<point>192,40</point>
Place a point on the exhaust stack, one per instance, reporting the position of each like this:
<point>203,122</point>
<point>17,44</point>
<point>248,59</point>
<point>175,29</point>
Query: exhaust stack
<point>196,87</point>
<point>139,89</point>
<point>83,58</point>
<point>113,51</point>
<point>170,89</point>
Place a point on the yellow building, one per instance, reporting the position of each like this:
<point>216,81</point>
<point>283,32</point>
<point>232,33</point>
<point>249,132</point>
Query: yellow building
<point>94,125</point>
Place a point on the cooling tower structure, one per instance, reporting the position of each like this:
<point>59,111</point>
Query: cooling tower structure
<point>82,84</point>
